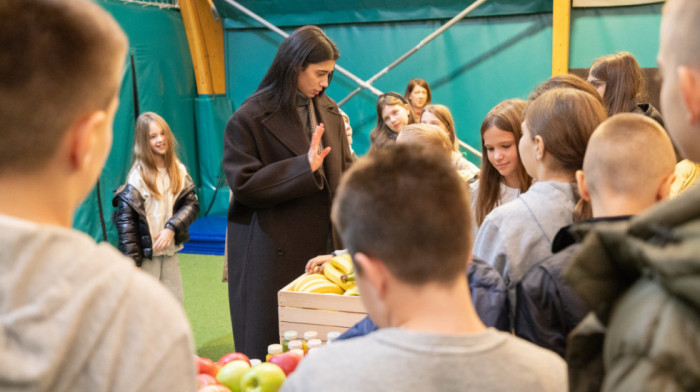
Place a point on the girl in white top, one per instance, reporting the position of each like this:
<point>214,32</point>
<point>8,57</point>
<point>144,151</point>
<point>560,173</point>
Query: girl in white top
<point>440,115</point>
<point>519,234</point>
<point>159,193</point>
<point>503,176</point>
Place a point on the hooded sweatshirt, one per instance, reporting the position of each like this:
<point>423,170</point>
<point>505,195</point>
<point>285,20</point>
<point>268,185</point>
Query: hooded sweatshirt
<point>77,316</point>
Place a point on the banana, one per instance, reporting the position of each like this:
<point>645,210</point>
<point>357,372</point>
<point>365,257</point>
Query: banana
<point>342,263</point>
<point>352,291</point>
<point>334,275</point>
<point>322,287</point>
<point>304,279</point>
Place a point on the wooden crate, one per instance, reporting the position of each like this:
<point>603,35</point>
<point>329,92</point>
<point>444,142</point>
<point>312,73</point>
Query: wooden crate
<point>322,313</point>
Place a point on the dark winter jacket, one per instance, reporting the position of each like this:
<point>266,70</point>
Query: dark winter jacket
<point>547,308</point>
<point>132,226</point>
<point>650,111</point>
<point>488,294</point>
<point>642,280</point>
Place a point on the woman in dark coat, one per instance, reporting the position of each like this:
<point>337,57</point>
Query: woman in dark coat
<point>283,181</point>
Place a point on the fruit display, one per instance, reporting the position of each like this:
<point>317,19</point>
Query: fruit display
<point>337,277</point>
<point>236,374</point>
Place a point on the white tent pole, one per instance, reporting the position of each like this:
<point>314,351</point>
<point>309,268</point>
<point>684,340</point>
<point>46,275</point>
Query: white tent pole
<point>285,35</point>
<point>422,43</point>
<point>368,84</point>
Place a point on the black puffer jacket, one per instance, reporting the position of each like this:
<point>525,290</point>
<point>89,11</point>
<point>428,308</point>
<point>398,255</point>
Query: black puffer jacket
<point>130,219</point>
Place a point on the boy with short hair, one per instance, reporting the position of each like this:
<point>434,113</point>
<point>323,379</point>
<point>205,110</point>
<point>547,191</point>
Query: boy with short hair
<point>396,211</point>
<point>75,316</point>
<point>628,167</point>
<point>642,278</point>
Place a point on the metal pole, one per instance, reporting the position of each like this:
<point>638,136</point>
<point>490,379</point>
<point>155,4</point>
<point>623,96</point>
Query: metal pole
<point>470,149</point>
<point>285,35</point>
<point>422,43</point>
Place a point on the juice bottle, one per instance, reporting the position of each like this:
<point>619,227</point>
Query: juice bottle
<point>333,335</point>
<point>308,335</point>
<point>314,344</point>
<point>273,349</point>
<point>295,344</point>
<point>288,337</point>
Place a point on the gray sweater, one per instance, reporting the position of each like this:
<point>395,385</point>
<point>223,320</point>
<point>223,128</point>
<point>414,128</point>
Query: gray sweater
<point>393,359</point>
<point>517,235</point>
<point>77,316</point>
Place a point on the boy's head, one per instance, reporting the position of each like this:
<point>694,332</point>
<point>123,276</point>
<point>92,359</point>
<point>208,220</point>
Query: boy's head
<point>406,207</point>
<point>629,157</point>
<point>679,65</point>
<point>427,135</point>
<point>60,72</point>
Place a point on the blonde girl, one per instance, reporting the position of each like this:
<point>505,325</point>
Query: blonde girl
<point>157,204</point>
<point>393,113</point>
<point>440,115</point>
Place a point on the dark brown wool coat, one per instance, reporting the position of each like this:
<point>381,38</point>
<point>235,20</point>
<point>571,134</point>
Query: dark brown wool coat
<point>279,216</point>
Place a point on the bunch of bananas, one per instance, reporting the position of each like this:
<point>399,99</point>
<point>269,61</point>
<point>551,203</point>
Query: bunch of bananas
<point>338,277</point>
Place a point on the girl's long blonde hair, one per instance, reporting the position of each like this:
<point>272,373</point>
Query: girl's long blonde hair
<point>144,159</point>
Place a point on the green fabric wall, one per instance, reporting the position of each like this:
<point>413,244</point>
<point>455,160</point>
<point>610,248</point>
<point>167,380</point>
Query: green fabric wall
<point>165,84</point>
<point>471,67</point>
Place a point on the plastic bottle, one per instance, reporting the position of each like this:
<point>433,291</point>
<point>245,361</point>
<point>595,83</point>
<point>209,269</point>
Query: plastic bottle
<point>295,344</point>
<point>273,349</point>
<point>333,335</point>
<point>308,335</point>
<point>288,337</point>
<point>314,344</point>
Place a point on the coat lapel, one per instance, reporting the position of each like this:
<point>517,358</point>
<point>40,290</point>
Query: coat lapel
<point>284,130</point>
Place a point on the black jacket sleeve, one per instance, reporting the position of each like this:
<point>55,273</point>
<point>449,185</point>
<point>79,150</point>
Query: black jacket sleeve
<point>185,211</point>
<point>126,219</point>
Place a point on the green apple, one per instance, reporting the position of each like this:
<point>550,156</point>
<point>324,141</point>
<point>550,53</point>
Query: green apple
<point>232,373</point>
<point>266,377</point>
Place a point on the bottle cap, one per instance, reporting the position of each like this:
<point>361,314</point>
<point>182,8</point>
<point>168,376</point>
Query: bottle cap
<point>274,349</point>
<point>308,335</point>
<point>255,362</point>
<point>294,344</point>
<point>314,343</point>
<point>290,335</point>
<point>333,335</point>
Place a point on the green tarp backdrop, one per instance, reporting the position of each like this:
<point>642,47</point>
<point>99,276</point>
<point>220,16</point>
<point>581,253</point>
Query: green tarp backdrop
<point>502,50</point>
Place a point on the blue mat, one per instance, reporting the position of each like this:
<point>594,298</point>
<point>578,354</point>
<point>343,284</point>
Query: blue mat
<point>207,236</point>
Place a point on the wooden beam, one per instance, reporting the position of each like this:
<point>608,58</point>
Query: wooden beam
<point>206,40</point>
<point>561,28</point>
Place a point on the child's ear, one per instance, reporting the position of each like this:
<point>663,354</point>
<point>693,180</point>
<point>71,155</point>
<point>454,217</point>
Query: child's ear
<point>540,148</point>
<point>582,187</point>
<point>83,134</point>
<point>689,81</point>
<point>665,188</point>
<point>373,272</point>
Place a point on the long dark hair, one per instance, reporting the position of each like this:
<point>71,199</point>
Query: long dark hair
<point>381,135</point>
<point>624,81</point>
<point>506,116</point>
<point>278,89</point>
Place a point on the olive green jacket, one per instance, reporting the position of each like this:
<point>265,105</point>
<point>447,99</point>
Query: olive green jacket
<point>642,280</point>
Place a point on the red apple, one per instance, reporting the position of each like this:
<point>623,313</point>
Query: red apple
<point>214,388</point>
<point>204,380</point>
<point>232,357</point>
<point>287,362</point>
<point>206,366</point>
<point>266,377</point>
